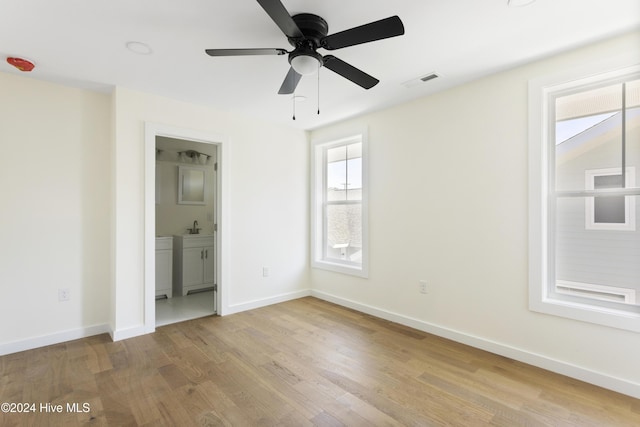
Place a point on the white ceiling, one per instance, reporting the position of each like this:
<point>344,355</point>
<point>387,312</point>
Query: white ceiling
<point>82,43</point>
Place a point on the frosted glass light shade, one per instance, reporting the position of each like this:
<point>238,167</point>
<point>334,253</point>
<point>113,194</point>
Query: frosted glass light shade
<point>305,65</point>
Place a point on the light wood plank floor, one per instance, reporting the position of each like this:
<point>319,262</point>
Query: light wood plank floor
<point>301,363</point>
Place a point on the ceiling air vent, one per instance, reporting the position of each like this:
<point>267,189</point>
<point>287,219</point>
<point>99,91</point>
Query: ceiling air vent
<point>421,79</point>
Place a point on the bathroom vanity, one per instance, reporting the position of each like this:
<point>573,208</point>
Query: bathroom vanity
<point>193,263</point>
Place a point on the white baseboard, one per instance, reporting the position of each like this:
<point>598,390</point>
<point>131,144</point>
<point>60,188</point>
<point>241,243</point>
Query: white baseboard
<point>619,385</point>
<point>250,305</point>
<point>56,338</point>
<point>126,333</point>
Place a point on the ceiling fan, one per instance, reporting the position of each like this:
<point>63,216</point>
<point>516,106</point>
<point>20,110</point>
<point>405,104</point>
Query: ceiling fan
<point>307,33</point>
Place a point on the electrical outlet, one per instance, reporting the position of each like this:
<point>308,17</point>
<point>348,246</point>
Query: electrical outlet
<point>265,271</point>
<point>422,286</point>
<point>64,294</point>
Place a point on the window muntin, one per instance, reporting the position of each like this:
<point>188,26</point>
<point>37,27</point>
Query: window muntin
<point>339,205</point>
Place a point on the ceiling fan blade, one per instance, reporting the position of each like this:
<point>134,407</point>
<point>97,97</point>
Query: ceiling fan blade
<point>290,82</point>
<point>242,52</point>
<point>378,30</point>
<point>278,13</point>
<point>350,72</point>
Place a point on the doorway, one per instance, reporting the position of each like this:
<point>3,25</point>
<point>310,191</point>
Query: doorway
<point>171,156</point>
<point>185,209</point>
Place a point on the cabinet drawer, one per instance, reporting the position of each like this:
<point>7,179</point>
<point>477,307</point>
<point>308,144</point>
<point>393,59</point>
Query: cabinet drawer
<point>197,241</point>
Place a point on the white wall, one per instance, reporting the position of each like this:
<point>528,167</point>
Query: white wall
<point>448,204</point>
<point>72,210</point>
<point>54,212</point>
<point>267,225</point>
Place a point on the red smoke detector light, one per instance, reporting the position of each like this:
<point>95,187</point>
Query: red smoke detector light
<point>21,64</point>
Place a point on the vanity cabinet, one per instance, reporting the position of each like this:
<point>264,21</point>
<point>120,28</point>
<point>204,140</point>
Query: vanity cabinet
<point>164,266</point>
<point>193,262</point>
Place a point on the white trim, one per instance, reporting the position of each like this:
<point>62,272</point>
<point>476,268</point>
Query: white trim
<point>589,202</point>
<point>131,332</point>
<point>600,379</point>
<point>55,338</point>
<point>317,183</point>
<point>263,302</point>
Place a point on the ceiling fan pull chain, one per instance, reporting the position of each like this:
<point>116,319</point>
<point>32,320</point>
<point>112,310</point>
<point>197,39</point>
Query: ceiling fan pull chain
<point>318,88</point>
<point>293,100</point>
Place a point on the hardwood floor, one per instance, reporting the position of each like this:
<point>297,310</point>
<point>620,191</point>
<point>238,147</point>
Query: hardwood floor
<point>299,363</point>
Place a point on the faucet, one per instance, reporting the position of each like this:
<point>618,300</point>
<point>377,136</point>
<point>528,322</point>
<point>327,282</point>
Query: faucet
<point>195,229</point>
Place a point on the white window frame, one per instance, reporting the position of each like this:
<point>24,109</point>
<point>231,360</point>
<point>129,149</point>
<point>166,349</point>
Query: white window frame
<point>318,204</point>
<point>541,227</point>
<point>589,203</point>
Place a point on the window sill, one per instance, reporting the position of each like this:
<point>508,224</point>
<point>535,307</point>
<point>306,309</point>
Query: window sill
<point>619,319</point>
<point>358,271</point>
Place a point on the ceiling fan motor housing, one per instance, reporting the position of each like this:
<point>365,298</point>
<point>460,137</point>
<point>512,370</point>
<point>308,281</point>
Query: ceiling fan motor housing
<point>313,27</point>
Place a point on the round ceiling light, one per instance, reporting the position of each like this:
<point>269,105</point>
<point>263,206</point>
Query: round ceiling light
<point>520,3</point>
<point>305,64</point>
<point>139,48</point>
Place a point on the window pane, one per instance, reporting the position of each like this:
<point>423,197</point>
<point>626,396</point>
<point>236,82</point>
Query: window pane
<point>354,182</point>
<point>588,135</point>
<point>344,172</point>
<point>344,232</point>
<point>336,173</point>
<point>591,259</point>
<point>354,172</point>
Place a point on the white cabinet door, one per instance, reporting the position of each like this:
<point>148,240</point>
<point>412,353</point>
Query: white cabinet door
<point>193,263</point>
<point>164,260</point>
<point>209,260</point>
<point>192,272</point>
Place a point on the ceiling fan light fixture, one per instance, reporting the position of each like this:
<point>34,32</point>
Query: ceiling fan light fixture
<point>306,63</point>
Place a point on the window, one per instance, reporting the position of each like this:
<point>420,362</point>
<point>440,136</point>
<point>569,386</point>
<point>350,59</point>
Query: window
<point>339,205</point>
<point>584,242</point>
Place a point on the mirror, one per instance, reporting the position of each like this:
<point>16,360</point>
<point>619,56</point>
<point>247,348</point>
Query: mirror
<point>191,185</point>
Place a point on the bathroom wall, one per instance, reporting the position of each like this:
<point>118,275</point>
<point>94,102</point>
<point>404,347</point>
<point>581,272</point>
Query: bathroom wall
<point>171,217</point>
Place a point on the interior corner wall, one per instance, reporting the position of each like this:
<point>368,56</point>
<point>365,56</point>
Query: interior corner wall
<point>55,212</point>
<point>448,204</point>
<point>268,203</point>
